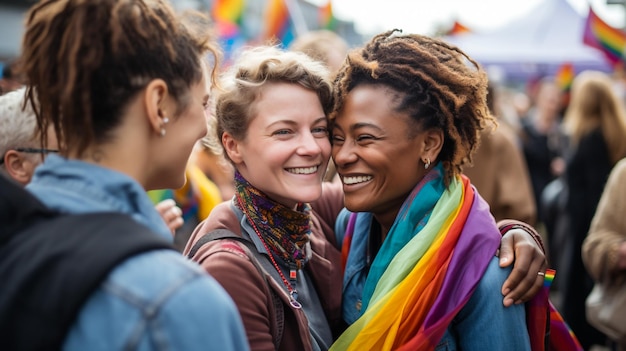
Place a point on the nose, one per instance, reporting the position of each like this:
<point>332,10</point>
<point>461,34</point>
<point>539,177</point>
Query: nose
<point>309,145</point>
<point>343,154</point>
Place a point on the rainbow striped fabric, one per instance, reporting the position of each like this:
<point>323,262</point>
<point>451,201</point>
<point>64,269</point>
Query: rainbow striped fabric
<point>561,335</point>
<point>278,24</point>
<point>228,17</point>
<point>430,279</point>
<point>326,18</point>
<point>565,76</point>
<point>611,41</point>
<point>458,28</point>
<point>228,11</point>
<point>431,275</point>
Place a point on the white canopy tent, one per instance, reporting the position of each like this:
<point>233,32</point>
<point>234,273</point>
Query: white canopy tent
<point>535,45</point>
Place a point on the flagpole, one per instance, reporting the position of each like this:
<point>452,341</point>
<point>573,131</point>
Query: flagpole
<point>296,15</point>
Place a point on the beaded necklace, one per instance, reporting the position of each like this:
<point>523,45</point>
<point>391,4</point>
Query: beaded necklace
<point>283,232</point>
<point>293,273</point>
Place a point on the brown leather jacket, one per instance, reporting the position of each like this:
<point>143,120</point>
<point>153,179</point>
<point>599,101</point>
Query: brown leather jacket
<point>249,289</point>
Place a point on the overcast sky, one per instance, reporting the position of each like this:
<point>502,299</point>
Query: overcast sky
<point>424,16</point>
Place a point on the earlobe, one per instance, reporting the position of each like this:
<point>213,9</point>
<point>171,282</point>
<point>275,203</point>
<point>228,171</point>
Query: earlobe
<point>433,142</point>
<point>155,105</point>
<point>231,146</point>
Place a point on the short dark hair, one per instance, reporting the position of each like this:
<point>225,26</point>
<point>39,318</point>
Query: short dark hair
<point>438,86</point>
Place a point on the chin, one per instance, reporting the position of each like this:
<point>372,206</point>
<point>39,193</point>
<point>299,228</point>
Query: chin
<point>169,182</point>
<point>307,196</point>
<point>355,205</point>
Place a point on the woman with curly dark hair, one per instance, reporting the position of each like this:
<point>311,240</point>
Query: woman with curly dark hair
<point>422,271</point>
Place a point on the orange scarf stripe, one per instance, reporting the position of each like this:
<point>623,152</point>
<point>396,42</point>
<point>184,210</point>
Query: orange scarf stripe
<point>422,302</point>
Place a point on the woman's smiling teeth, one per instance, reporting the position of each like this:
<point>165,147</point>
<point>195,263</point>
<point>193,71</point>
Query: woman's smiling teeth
<point>356,180</point>
<point>302,170</point>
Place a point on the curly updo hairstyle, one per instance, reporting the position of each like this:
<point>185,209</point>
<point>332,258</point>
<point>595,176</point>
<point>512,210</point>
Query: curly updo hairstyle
<point>438,84</point>
<point>84,60</point>
<point>256,68</point>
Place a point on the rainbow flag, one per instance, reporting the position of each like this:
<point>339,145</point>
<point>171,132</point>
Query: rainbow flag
<point>278,23</point>
<point>458,28</point>
<point>565,76</point>
<point>611,41</point>
<point>228,11</point>
<point>326,18</point>
<point>228,15</point>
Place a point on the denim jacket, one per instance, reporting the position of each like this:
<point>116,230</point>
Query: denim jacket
<point>153,301</point>
<point>483,323</point>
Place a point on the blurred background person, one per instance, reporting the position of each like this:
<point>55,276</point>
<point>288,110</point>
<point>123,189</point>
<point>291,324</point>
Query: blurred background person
<point>542,139</point>
<point>604,248</point>
<point>595,122</point>
<point>499,172</point>
<point>20,148</point>
<point>322,45</point>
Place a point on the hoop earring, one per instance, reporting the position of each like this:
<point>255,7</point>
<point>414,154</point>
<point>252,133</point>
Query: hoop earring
<point>426,163</point>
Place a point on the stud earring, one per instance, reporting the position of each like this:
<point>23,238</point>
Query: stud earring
<point>165,121</point>
<point>426,163</point>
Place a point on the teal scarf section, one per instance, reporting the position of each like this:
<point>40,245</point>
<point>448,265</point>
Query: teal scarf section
<point>411,218</point>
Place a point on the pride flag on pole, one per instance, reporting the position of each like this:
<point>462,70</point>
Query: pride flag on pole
<point>228,10</point>
<point>326,18</point>
<point>611,41</point>
<point>278,23</point>
<point>228,17</point>
<point>458,28</point>
<point>565,76</point>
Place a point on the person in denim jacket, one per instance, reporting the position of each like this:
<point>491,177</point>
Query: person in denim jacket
<point>126,89</point>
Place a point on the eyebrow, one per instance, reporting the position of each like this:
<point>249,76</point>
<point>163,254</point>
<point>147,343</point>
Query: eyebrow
<point>292,122</point>
<point>360,125</point>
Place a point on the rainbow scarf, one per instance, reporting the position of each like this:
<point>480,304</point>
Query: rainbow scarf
<point>430,278</point>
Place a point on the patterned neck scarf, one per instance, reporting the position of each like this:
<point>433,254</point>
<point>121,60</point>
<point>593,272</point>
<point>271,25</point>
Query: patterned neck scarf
<point>284,230</point>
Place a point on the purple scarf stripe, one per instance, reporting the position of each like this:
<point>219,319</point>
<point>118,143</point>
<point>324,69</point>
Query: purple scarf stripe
<point>478,243</point>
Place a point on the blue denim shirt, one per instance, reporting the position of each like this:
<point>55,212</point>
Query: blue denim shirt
<point>153,301</point>
<point>482,324</point>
